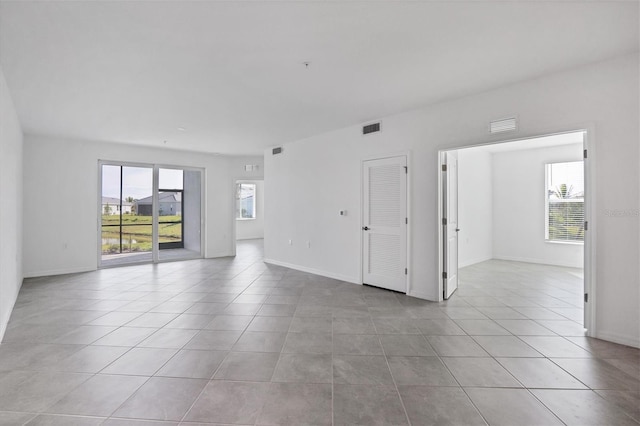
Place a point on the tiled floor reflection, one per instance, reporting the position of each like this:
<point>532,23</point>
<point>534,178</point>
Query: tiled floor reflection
<point>236,341</point>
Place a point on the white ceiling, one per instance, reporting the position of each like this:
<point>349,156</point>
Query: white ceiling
<point>232,75</point>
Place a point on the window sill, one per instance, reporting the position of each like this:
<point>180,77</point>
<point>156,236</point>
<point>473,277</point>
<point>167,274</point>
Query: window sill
<point>245,218</point>
<point>568,243</point>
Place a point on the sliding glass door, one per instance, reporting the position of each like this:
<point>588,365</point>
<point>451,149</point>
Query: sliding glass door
<point>125,231</point>
<point>179,213</point>
<point>149,213</point>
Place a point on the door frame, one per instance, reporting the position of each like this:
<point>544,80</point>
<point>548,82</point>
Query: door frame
<point>445,228</point>
<point>589,268</point>
<point>155,167</point>
<point>232,211</point>
<point>234,241</point>
<point>406,154</point>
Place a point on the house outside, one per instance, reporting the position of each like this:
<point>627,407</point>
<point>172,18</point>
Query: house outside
<point>170,204</point>
<point>111,206</point>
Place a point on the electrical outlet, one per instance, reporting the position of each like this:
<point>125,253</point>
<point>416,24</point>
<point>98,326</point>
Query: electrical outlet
<point>290,242</point>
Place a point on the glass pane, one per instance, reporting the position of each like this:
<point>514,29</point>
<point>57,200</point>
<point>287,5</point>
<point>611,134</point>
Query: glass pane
<point>126,214</point>
<point>565,194</point>
<point>170,219</point>
<point>566,180</point>
<point>110,204</point>
<point>137,223</point>
<point>246,201</point>
<point>170,179</point>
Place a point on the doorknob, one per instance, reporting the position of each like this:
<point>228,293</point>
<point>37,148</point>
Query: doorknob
<point>365,228</point>
<point>457,229</point>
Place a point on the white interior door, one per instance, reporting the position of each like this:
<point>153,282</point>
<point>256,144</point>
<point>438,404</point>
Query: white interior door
<point>384,230</point>
<point>450,223</point>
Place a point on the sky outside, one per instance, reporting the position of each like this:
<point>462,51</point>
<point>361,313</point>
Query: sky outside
<point>137,181</point>
<point>571,174</point>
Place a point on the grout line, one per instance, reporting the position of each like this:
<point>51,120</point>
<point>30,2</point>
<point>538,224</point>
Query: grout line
<point>333,421</point>
<point>236,280</point>
<point>393,379</point>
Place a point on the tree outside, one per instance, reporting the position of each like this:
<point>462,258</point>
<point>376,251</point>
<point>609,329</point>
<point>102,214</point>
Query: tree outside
<point>566,214</point>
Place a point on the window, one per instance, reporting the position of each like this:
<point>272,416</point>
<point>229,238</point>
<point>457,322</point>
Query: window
<point>246,201</point>
<point>565,202</point>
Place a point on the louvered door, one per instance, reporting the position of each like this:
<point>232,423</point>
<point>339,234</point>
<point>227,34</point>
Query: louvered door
<point>384,231</point>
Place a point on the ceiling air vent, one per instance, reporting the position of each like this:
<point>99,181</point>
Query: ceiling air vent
<point>504,125</point>
<point>277,150</point>
<point>371,128</point>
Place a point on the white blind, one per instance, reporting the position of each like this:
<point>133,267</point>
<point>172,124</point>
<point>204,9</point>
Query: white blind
<point>565,201</point>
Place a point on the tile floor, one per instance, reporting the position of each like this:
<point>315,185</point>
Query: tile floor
<point>124,259</point>
<point>235,341</point>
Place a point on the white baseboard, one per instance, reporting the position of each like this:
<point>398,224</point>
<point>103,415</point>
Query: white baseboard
<point>313,271</point>
<point>619,338</point>
<point>424,296</point>
<point>64,271</point>
<point>474,261</point>
<point>538,261</point>
<point>219,254</point>
<point>4,321</point>
<point>3,329</point>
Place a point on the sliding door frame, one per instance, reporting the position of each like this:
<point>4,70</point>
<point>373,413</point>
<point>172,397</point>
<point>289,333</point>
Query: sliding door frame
<point>155,250</point>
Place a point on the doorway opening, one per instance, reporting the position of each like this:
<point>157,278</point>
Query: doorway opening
<point>513,227</point>
<point>149,213</point>
<point>249,216</point>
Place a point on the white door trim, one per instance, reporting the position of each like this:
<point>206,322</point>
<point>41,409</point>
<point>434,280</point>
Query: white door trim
<point>451,268</point>
<point>590,215</point>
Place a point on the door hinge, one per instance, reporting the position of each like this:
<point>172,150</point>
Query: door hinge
<point>444,167</point>
<point>586,225</point>
<point>584,153</point>
<point>586,297</point>
<point>444,275</point>
<point>444,220</point>
<point>406,271</point>
<point>406,220</point>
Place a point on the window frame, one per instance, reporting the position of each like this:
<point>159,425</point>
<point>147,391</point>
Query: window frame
<point>238,200</point>
<point>547,204</point>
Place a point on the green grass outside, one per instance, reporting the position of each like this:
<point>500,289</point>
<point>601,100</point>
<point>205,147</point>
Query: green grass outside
<point>138,229</point>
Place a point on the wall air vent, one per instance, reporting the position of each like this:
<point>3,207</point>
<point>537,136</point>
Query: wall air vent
<point>277,150</point>
<point>504,125</point>
<point>371,128</point>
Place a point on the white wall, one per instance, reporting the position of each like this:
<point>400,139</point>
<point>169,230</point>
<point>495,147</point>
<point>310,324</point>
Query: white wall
<point>11,205</point>
<point>61,169</point>
<point>519,219</point>
<point>475,207</point>
<point>237,171</point>
<point>247,229</point>
<point>314,178</point>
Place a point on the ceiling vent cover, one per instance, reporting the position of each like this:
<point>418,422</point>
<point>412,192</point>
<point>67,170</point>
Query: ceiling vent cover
<point>503,125</point>
<point>277,150</point>
<point>371,128</point>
